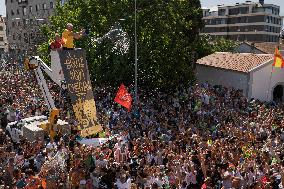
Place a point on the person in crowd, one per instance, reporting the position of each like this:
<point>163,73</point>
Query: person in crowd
<point>68,37</point>
<point>199,136</point>
<point>57,43</point>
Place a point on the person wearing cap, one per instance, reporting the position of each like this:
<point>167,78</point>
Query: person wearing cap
<point>68,37</point>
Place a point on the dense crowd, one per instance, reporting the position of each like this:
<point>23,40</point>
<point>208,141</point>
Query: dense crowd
<point>198,136</point>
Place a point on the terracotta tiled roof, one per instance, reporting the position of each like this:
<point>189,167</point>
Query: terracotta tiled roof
<point>242,62</point>
<point>267,47</point>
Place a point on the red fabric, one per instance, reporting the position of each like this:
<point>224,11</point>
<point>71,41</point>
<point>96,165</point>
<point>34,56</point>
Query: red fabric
<point>123,97</point>
<point>203,186</point>
<point>277,54</point>
<point>56,45</point>
<point>263,181</point>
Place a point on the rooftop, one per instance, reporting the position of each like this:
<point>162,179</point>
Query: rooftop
<point>241,62</point>
<point>267,47</point>
<point>239,4</point>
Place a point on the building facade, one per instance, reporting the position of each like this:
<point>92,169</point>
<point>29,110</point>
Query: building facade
<point>247,21</point>
<point>250,73</point>
<point>24,18</point>
<point>3,38</point>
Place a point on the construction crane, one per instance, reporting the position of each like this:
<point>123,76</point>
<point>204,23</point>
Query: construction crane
<point>55,73</point>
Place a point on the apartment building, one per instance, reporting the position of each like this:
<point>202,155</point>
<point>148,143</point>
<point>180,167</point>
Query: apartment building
<point>248,21</point>
<point>3,38</point>
<point>24,18</point>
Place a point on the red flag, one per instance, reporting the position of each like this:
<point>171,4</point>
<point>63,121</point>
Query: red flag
<point>123,97</point>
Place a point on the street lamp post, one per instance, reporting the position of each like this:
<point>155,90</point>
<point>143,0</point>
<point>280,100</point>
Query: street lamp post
<point>136,107</point>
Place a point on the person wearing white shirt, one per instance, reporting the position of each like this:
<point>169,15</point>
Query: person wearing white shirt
<point>191,178</point>
<point>123,182</point>
<point>251,177</point>
<point>95,180</point>
<point>227,179</point>
<point>149,182</point>
<point>101,162</point>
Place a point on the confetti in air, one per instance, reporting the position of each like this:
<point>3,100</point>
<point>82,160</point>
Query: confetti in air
<point>118,37</point>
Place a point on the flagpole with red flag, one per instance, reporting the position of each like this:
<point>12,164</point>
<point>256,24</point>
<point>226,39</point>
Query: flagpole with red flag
<point>278,63</point>
<point>123,97</point>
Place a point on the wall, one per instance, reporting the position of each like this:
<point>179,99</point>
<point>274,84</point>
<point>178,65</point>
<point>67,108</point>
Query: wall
<point>227,78</point>
<point>261,88</point>
<point>3,41</point>
<point>23,21</point>
<point>254,26</point>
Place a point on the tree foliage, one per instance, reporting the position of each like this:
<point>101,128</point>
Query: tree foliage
<point>168,40</point>
<point>208,45</point>
<point>167,31</point>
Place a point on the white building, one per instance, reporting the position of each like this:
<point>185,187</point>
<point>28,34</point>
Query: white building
<point>251,73</point>
<point>3,38</point>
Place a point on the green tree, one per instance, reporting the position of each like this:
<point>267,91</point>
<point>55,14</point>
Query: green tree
<point>207,45</point>
<point>167,31</point>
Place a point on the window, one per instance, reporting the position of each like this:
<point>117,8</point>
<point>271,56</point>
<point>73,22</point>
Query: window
<point>234,11</point>
<point>13,24</point>
<point>222,29</point>
<point>11,1</point>
<point>1,28</point>
<point>221,12</point>
<point>44,6</point>
<point>19,37</point>
<point>37,7</point>
<point>18,12</point>
<point>19,1</point>
<point>31,9</point>
<point>51,5</point>
<point>244,10</point>
<point>273,20</point>
<point>12,12</point>
<point>1,39</point>
<point>14,37</point>
<point>24,11</point>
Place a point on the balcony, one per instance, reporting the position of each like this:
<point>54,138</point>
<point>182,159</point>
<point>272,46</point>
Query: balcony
<point>23,2</point>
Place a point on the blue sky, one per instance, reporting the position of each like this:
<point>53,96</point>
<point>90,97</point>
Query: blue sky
<point>2,7</point>
<point>205,3</point>
<point>210,3</point>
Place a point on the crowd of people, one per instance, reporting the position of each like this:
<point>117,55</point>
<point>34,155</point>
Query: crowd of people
<point>197,136</point>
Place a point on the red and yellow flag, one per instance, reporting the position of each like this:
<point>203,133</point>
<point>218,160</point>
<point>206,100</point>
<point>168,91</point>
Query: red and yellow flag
<point>278,59</point>
<point>123,97</point>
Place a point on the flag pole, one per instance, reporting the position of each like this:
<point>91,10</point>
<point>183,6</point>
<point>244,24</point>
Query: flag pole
<point>136,100</point>
<point>268,90</point>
